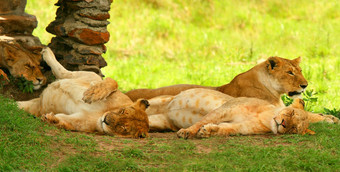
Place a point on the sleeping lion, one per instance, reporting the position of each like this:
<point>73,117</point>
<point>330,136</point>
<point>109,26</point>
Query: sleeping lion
<point>203,112</point>
<point>82,101</point>
<point>21,63</point>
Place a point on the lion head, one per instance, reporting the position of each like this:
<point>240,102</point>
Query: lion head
<point>287,75</point>
<point>22,63</point>
<point>130,121</point>
<point>293,119</point>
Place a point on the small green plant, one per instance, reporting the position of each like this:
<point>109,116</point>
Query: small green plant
<point>309,96</point>
<point>334,111</point>
<point>286,100</point>
<point>2,82</point>
<point>25,85</point>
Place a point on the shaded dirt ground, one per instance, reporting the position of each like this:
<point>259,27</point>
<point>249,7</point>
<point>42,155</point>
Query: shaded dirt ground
<point>11,89</point>
<point>202,145</point>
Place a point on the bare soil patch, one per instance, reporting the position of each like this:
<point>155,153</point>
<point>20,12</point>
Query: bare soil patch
<point>11,89</point>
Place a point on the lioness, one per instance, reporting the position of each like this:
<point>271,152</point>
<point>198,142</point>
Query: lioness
<point>267,80</point>
<point>21,63</point>
<point>82,101</point>
<point>225,115</point>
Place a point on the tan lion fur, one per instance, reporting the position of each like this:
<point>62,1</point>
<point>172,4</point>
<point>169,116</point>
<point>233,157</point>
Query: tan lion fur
<point>82,101</point>
<point>267,80</point>
<point>21,63</point>
<point>198,107</point>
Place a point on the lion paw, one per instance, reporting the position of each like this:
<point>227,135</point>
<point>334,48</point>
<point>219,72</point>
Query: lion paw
<point>207,130</point>
<point>185,133</point>
<point>50,118</point>
<point>331,119</point>
<point>100,91</point>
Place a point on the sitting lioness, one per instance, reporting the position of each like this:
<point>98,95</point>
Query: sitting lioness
<point>21,63</point>
<point>82,101</point>
<point>225,115</point>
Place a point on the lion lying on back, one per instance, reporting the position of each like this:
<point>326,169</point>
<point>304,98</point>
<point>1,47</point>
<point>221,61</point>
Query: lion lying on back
<point>21,63</point>
<point>207,112</point>
<point>82,101</point>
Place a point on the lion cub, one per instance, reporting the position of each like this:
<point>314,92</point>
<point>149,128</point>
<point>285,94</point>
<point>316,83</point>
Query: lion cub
<point>82,101</point>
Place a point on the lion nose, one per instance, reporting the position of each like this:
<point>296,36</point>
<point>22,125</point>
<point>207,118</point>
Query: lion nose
<point>40,80</point>
<point>303,86</point>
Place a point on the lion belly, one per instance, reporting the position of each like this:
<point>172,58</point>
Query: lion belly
<point>192,105</point>
<point>65,97</point>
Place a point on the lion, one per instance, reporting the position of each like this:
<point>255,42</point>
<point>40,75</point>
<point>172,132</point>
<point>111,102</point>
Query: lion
<point>220,114</point>
<point>82,101</point>
<point>267,80</point>
<point>21,63</point>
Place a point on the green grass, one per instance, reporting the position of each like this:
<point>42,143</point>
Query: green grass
<point>27,143</point>
<point>156,43</point>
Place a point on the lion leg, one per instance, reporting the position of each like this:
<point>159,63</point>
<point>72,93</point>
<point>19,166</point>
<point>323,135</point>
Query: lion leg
<point>215,117</point>
<point>31,106</point>
<point>314,117</point>
<point>60,123</point>
<point>74,122</point>
<point>100,90</point>
<point>60,72</point>
<point>227,129</point>
<point>160,122</point>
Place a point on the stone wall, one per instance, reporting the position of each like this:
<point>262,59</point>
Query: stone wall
<point>80,29</point>
<point>16,26</point>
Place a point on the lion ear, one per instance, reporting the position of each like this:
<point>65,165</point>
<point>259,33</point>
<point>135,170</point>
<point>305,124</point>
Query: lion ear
<point>273,62</point>
<point>142,104</point>
<point>298,103</point>
<point>297,60</point>
<point>302,128</point>
<point>308,131</point>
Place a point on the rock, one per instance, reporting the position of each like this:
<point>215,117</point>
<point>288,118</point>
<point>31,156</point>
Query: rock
<point>89,37</point>
<point>17,24</point>
<point>12,7</point>
<point>80,29</point>
<point>94,14</point>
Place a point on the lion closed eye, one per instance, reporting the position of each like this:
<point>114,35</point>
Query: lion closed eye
<point>22,63</point>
